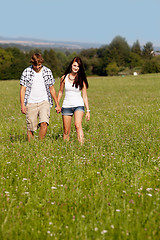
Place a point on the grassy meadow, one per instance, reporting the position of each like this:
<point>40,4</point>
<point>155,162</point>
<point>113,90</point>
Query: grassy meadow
<point>109,188</point>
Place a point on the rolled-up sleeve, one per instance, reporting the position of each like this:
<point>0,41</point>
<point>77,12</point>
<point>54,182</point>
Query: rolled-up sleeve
<point>23,79</point>
<point>49,78</point>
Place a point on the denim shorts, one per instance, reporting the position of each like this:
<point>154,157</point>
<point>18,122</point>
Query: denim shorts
<point>70,111</point>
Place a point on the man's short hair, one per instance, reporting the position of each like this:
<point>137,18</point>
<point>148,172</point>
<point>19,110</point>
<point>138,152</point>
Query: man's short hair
<point>36,59</point>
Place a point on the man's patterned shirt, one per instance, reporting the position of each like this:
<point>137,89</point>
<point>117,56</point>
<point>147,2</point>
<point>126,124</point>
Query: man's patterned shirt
<point>27,80</point>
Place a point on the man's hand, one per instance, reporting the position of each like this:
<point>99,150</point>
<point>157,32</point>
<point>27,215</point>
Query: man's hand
<point>58,108</point>
<point>23,109</point>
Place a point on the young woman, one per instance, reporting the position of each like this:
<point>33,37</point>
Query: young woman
<point>74,81</point>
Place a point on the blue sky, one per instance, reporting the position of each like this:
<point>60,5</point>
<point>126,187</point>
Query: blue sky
<point>95,21</point>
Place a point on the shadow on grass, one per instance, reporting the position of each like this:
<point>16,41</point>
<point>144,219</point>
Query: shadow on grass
<point>18,138</point>
<point>55,136</point>
<point>23,137</point>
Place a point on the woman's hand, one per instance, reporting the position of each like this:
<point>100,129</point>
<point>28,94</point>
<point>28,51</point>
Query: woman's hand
<point>88,116</point>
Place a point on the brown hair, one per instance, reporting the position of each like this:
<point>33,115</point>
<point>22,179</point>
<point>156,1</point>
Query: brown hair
<point>81,77</point>
<point>36,59</point>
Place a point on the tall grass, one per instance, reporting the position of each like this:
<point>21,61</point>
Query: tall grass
<point>109,188</point>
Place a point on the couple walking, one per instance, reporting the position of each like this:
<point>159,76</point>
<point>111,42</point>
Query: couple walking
<point>37,90</point>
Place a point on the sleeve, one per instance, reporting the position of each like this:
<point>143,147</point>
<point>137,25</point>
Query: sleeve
<point>51,80</point>
<point>23,79</point>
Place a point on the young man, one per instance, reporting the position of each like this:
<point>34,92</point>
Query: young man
<point>36,95</point>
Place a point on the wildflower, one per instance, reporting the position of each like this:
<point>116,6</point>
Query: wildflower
<point>7,193</point>
<point>96,229</point>
<point>149,189</point>
<point>24,179</point>
<point>112,226</point>
<point>104,231</point>
<point>118,210</point>
<point>150,195</point>
<point>53,188</point>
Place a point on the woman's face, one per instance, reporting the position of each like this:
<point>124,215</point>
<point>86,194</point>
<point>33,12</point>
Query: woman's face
<point>75,67</point>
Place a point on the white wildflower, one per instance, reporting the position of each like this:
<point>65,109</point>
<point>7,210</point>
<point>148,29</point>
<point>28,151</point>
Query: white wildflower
<point>7,193</point>
<point>150,195</point>
<point>24,179</point>
<point>118,210</point>
<point>104,231</point>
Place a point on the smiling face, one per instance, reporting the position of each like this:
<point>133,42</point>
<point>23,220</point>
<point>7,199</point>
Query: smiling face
<point>75,67</point>
<point>37,67</point>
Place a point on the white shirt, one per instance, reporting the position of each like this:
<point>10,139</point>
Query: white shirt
<point>38,91</point>
<point>73,96</point>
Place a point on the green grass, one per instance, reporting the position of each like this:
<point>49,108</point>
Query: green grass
<point>109,188</point>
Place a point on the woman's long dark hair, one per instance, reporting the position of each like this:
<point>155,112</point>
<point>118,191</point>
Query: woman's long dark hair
<point>81,76</point>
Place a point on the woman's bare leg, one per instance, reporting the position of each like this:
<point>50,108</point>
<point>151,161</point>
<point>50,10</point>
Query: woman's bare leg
<point>78,115</point>
<point>66,126</point>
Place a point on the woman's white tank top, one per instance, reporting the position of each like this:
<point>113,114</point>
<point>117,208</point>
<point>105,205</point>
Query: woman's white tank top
<point>73,96</point>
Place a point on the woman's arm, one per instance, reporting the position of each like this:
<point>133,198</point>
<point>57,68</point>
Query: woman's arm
<point>85,99</point>
<point>53,94</point>
<point>60,93</point>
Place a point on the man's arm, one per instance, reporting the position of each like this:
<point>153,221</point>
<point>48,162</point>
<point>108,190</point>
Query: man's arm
<point>54,96</point>
<point>22,94</point>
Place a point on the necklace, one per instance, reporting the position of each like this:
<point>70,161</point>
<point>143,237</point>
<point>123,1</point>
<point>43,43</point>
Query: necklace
<point>72,79</point>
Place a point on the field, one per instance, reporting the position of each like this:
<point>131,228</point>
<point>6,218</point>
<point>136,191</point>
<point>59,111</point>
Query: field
<point>109,188</point>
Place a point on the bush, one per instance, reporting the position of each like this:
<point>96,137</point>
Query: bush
<point>151,66</point>
<point>112,69</point>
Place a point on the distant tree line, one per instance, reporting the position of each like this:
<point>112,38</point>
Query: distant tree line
<point>116,58</point>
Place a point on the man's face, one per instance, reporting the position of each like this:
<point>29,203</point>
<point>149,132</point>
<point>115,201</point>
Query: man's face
<point>37,68</point>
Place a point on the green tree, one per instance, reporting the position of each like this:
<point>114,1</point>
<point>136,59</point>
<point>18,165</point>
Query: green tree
<point>51,61</point>
<point>90,60</point>
<point>147,50</point>
<point>136,48</point>
<point>19,62</point>
<point>62,58</point>
<point>135,60</point>
<point>6,58</point>
<point>103,60</point>
<point>119,51</point>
